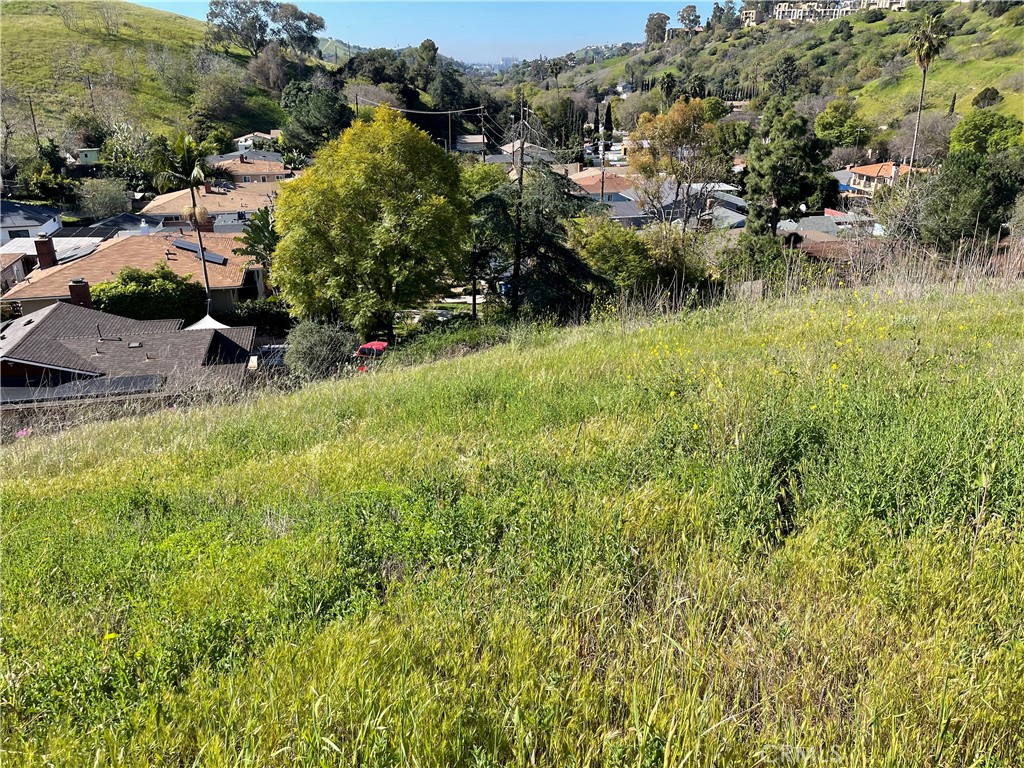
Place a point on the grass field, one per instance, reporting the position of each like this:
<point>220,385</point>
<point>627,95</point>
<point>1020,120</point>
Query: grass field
<point>43,60</point>
<point>750,535</point>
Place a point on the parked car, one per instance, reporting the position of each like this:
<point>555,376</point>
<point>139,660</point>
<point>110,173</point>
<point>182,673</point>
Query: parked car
<point>369,353</point>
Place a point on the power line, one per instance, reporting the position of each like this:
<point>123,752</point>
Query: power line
<point>423,111</point>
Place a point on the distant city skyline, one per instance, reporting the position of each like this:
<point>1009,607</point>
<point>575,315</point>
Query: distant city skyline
<point>476,32</point>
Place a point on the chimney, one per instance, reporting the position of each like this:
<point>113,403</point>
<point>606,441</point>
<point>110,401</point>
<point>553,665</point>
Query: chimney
<point>46,252</point>
<point>895,170</point>
<point>79,290</point>
<point>206,187</point>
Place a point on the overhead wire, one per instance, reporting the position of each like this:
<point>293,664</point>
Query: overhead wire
<point>423,111</point>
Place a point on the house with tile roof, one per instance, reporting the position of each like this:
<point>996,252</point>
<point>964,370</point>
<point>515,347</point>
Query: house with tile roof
<point>68,352</point>
<point>867,179</point>
<point>232,278</point>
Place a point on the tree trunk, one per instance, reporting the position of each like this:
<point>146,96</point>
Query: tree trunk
<point>917,127</point>
<point>202,251</point>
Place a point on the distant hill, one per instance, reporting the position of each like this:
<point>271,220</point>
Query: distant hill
<point>337,51</point>
<point>872,64</point>
<point>45,60</point>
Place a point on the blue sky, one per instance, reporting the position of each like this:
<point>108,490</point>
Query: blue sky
<point>477,31</point>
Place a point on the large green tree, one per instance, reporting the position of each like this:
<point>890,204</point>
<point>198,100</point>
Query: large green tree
<point>375,225</point>
<point>245,23</point>
<point>839,126</point>
<point>784,170</point>
<point>986,132</point>
<point>316,113</point>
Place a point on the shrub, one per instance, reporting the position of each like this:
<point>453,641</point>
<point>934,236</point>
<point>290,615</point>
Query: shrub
<point>754,257</point>
<point>158,295</point>
<point>318,350</point>
<point>987,97</point>
<point>270,316</point>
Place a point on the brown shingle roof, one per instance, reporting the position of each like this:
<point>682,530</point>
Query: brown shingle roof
<point>251,167</point>
<point>99,345</point>
<point>142,252</point>
<point>249,196</point>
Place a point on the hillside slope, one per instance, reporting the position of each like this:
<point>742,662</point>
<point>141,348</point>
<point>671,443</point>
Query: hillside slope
<point>43,60</point>
<point>714,539</point>
<point>872,65</point>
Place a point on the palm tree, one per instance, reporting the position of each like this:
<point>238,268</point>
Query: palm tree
<point>667,84</point>
<point>258,241</point>
<point>926,43</point>
<point>184,166</point>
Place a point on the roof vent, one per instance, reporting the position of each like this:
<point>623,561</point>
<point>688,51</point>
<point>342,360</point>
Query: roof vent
<point>30,321</point>
<point>134,345</point>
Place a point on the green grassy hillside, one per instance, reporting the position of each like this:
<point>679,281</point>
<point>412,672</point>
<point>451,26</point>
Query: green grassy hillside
<point>872,65</point>
<point>43,60</point>
<point>724,539</point>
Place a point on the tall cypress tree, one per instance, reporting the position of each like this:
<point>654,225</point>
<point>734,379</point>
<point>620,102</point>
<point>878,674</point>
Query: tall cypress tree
<point>785,169</point>
<point>608,122</point>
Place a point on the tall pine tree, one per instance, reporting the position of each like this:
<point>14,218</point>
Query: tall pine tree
<point>785,169</point>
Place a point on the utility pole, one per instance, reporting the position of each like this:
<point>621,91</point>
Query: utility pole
<point>483,153</point>
<point>518,254</point>
<point>32,112</point>
<point>92,100</point>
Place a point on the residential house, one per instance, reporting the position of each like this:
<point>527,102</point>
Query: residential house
<point>751,17</point>
<point>867,179</point>
<point>232,278</point>
<point>23,254</point>
<point>818,10</point>
<point>13,268</point>
<point>671,33</point>
<point>251,140</point>
<point>474,144</point>
<point>226,203</point>
<point>833,225</point>
<point>605,185</point>
<point>86,157</point>
<point>70,352</point>
<point>531,152</point>
<point>251,166</point>
<point>21,220</point>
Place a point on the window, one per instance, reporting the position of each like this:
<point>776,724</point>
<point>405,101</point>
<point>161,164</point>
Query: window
<point>246,179</point>
<point>19,233</point>
<point>263,178</point>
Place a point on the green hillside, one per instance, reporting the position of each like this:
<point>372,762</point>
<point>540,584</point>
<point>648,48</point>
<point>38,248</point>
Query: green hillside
<point>872,65</point>
<point>44,60</point>
<point>726,538</point>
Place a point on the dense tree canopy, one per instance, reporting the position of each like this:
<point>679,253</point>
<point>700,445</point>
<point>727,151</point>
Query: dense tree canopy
<point>316,113</point>
<point>784,170</point>
<point>984,131</point>
<point>377,224</point>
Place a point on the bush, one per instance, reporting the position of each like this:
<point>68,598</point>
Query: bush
<point>158,295</point>
<point>987,97</point>
<point>269,315</point>
<point>318,350</point>
<point>754,257</point>
<point>456,338</point>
